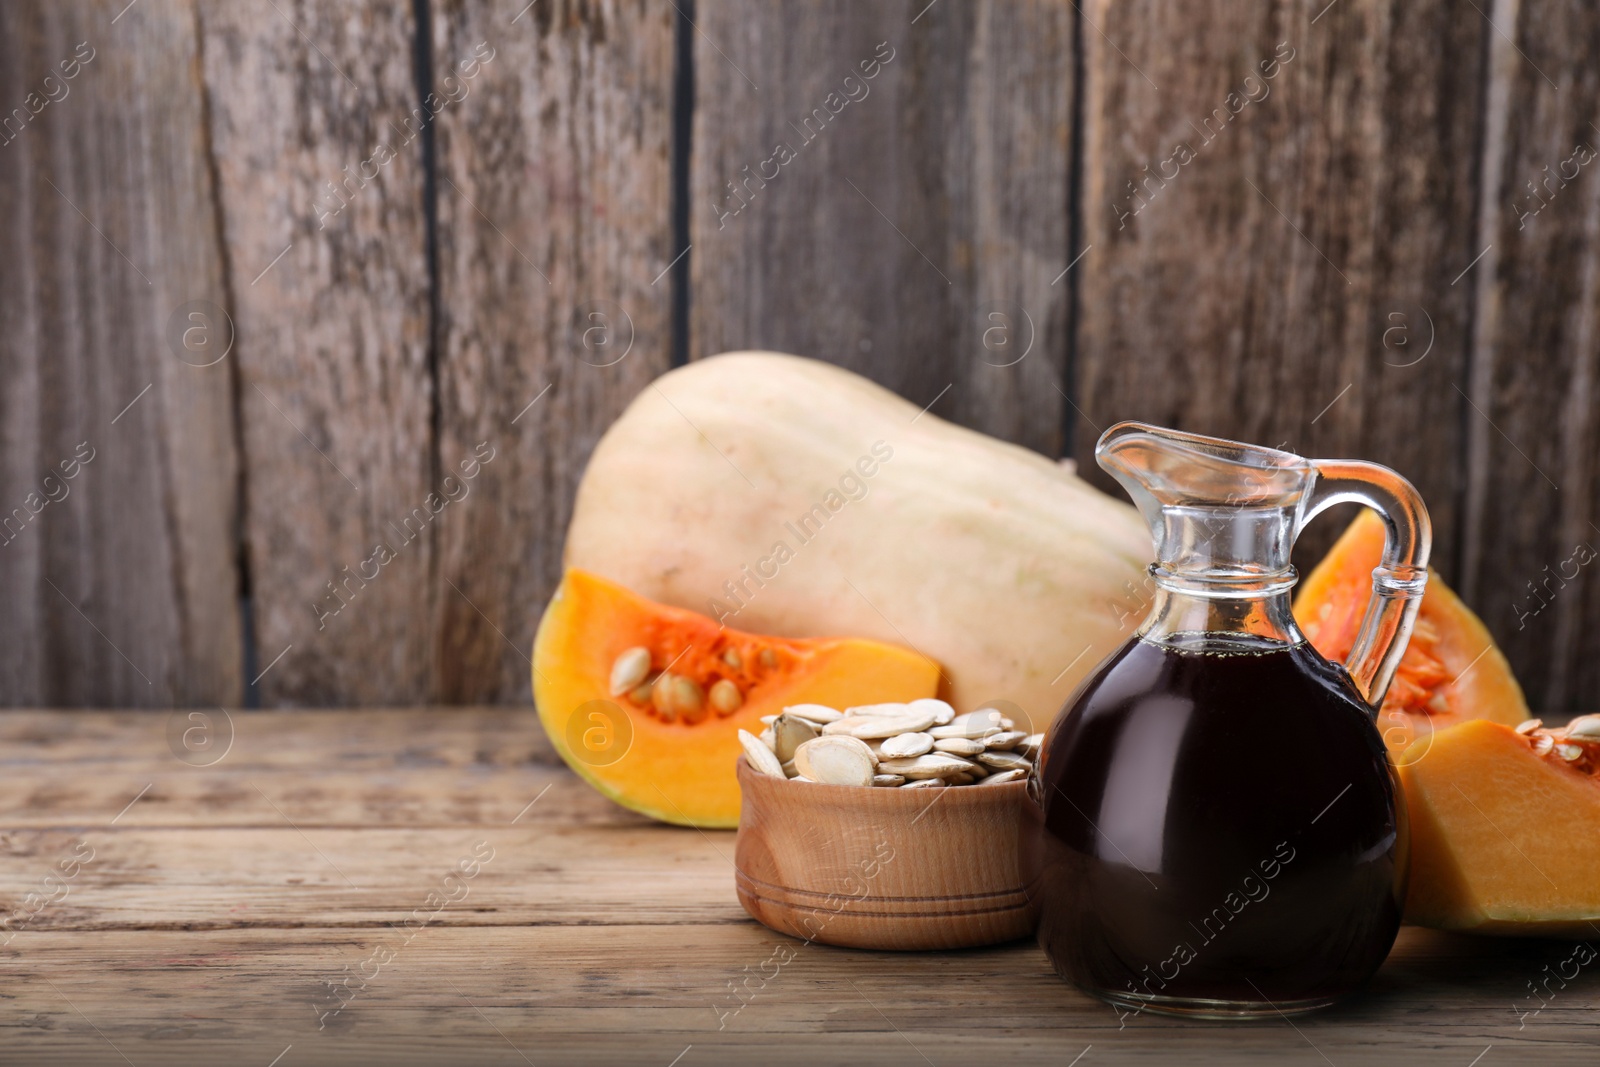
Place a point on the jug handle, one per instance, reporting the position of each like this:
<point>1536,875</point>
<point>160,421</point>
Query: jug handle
<point>1400,577</point>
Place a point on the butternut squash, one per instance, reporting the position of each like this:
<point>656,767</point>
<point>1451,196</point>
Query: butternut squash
<point>786,496</point>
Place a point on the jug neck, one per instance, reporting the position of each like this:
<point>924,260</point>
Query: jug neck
<point>1190,620</point>
<point>1227,550</point>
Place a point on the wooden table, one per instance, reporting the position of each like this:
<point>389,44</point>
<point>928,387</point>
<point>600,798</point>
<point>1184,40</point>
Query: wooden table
<point>431,886</point>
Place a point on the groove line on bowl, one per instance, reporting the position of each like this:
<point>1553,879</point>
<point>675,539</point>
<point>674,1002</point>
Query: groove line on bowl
<point>744,878</point>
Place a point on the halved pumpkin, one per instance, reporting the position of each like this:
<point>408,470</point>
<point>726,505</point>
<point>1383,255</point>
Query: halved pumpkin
<point>1503,828</point>
<point>646,701</point>
<point>1451,670</point>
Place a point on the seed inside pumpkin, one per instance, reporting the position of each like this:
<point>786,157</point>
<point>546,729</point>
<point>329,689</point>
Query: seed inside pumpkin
<point>725,696</point>
<point>689,698</point>
<point>630,669</point>
<point>641,695</point>
<point>661,697</point>
<point>1584,728</point>
<point>731,657</point>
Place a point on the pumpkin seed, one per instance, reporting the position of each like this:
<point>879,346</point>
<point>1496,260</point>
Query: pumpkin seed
<point>1005,761</point>
<point>1031,745</point>
<point>789,733</point>
<point>630,668</point>
<point>875,711</point>
<point>1584,728</point>
<point>1001,777</point>
<point>817,713</point>
<point>641,695</point>
<point>1005,739</point>
<point>1542,744</point>
<point>688,698</point>
<point>1570,753</point>
<point>661,697</point>
<point>925,783</point>
<point>731,657</point>
<point>759,756</point>
<point>836,761</point>
<point>931,765</point>
<point>767,658</point>
<point>789,769</point>
<point>959,746</point>
<point>888,779</point>
<point>725,697</point>
<point>904,746</point>
<point>942,712</point>
<point>974,724</point>
<point>880,726</point>
<point>1527,726</point>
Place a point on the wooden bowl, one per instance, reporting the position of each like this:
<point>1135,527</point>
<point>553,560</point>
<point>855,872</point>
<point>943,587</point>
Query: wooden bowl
<point>884,868</point>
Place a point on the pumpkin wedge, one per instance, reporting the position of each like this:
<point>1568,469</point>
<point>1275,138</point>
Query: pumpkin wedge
<point>1451,671</point>
<point>1503,829</point>
<point>646,701</point>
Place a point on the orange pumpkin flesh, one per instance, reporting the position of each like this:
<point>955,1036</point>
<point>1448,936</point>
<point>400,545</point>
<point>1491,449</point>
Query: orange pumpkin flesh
<point>1451,671</point>
<point>672,760</point>
<point>1502,838</point>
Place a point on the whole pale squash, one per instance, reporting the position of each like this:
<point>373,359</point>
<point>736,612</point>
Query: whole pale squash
<point>786,496</point>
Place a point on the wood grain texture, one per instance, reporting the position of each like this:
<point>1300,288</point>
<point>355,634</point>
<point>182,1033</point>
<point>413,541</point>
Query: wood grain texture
<point>117,573</point>
<point>321,176</point>
<point>1282,271</point>
<point>911,225</point>
<point>1533,423</point>
<point>197,940</point>
<point>554,233</point>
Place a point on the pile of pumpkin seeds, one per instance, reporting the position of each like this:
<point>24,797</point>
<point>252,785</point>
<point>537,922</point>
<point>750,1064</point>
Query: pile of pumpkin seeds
<point>922,744</point>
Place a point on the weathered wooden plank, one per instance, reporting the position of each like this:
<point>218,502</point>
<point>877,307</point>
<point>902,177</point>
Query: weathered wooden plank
<point>885,187</point>
<point>378,738</point>
<point>604,995</point>
<point>1533,521</point>
<point>554,235</point>
<point>117,461</point>
<point>1278,202</point>
<point>281,873</point>
<point>433,768</point>
<point>431,797</point>
<point>317,150</point>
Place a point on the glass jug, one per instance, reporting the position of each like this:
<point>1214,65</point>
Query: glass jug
<point>1220,831</point>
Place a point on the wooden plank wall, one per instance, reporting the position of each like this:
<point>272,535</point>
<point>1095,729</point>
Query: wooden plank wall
<point>889,193</point>
<point>327,246</point>
<point>119,578</point>
<point>554,232</point>
<point>452,229</point>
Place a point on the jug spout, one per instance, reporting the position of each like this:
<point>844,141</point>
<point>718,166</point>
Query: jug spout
<point>1219,511</point>
<point>1161,467</point>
